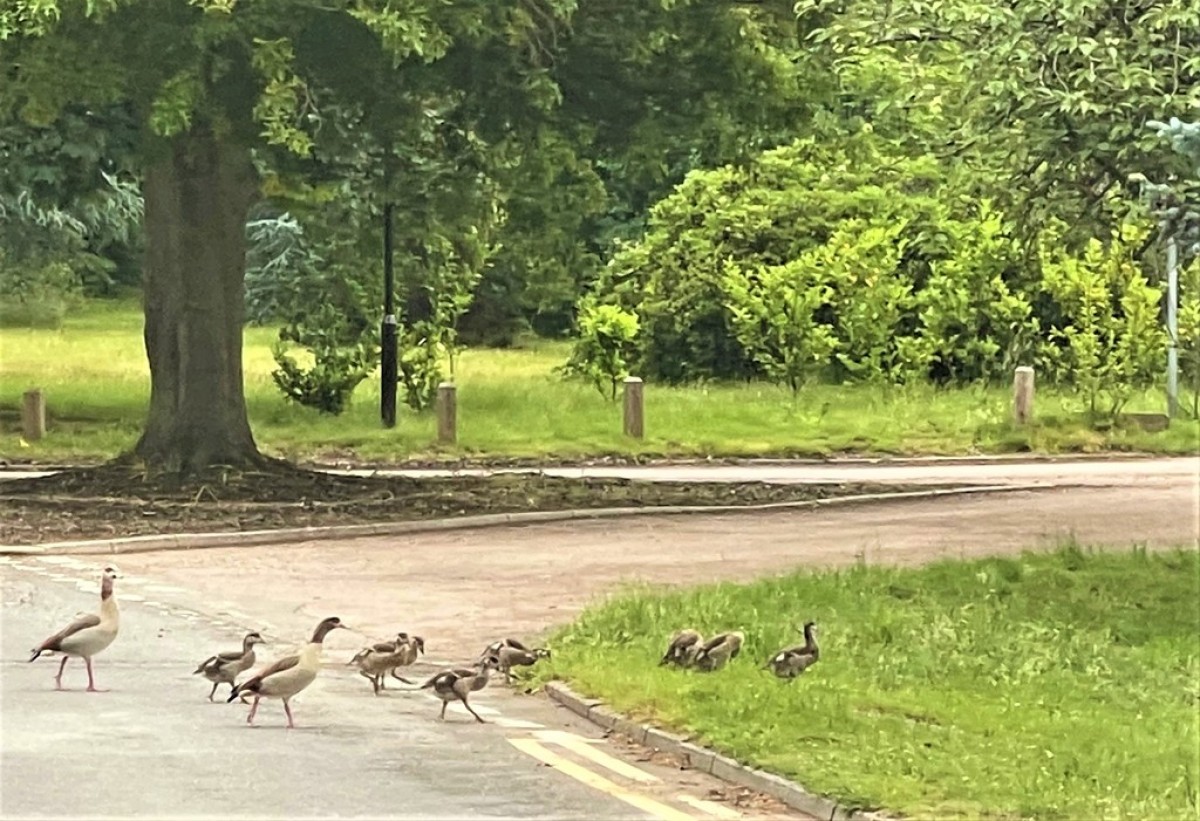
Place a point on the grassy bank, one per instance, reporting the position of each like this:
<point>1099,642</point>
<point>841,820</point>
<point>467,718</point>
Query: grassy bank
<point>1058,685</point>
<point>95,376</point>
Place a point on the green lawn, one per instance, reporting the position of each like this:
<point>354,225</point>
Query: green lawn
<point>511,404</point>
<point>1055,686</point>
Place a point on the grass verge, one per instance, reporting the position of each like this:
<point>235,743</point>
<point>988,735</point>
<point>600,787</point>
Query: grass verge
<point>511,404</point>
<point>1059,685</point>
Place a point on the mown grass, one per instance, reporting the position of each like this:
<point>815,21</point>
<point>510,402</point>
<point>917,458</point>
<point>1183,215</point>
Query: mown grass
<point>1051,686</point>
<point>511,403</point>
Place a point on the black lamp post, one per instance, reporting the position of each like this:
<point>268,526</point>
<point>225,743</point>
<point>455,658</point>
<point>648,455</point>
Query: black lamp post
<point>387,338</point>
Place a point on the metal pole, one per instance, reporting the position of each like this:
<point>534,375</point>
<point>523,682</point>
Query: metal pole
<point>1172,329</point>
<point>387,337</point>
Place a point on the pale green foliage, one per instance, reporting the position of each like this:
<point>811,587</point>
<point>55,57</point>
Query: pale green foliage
<point>172,110</point>
<point>973,324</point>
<point>1188,335</point>
<point>604,346</point>
<point>336,368</point>
<point>871,295</point>
<point>768,213</point>
<point>772,312</point>
<point>284,99</point>
<point>1113,336</point>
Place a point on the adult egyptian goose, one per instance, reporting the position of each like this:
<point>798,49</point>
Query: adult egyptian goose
<point>289,675</point>
<point>88,634</point>
<point>792,661</point>
<point>717,651</point>
<point>682,649</point>
<point>459,683</point>
<point>224,668</point>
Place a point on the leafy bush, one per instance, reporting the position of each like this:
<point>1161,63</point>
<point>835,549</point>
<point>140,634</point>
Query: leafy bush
<point>419,364</point>
<point>1187,337</point>
<point>604,346</point>
<point>788,201</point>
<point>1112,342</point>
<point>36,296</point>
<point>871,296</point>
<point>339,362</point>
<point>773,313</point>
<point>973,324</point>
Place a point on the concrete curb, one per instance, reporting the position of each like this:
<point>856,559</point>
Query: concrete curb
<point>249,538</point>
<point>706,760</point>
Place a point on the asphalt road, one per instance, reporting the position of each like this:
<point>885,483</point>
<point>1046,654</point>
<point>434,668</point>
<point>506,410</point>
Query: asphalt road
<point>154,747</point>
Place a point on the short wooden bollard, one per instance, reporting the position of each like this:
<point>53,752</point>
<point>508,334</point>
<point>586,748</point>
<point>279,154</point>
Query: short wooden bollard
<point>447,413</point>
<point>33,415</point>
<point>634,409</point>
<point>1023,395</point>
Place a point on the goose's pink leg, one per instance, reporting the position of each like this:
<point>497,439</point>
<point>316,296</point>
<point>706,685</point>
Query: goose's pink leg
<point>288,710</point>
<point>91,681</point>
<point>253,710</point>
<point>58,678</point>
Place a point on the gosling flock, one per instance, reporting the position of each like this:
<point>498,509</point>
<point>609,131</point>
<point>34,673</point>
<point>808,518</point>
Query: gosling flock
<point>90,634</point>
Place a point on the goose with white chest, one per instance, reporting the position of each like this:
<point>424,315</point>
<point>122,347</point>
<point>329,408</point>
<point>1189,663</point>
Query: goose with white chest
<point>88,635</point>
<point>287,676</point>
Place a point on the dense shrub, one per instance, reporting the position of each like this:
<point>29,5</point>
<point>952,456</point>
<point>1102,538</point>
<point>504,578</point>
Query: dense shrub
<point>844,263</point>
<point>789,201</point>
<point>1111,340</point>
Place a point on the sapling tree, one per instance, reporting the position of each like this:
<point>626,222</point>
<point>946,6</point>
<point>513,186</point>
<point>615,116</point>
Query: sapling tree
<point>604,347</point>
<point>773,313</point>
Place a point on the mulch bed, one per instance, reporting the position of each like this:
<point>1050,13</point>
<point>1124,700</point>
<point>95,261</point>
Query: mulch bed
<point>114,500</point>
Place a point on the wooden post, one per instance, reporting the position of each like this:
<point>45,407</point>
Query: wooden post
<point>33,415</point>
<point>447,413</point>
<point>634,408</point>
<point>1023,395</point>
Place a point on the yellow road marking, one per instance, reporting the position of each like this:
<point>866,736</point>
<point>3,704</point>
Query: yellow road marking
<point>710,807</point>
<point>533,747</point>
<point>580,746</point>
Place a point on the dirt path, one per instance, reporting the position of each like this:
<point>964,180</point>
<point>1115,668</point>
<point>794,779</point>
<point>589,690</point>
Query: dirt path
<point>461,590</point>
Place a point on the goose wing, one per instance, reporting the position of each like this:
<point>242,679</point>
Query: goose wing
<point>680,644</point>
<point>55,641</point>
<point>278,666</point>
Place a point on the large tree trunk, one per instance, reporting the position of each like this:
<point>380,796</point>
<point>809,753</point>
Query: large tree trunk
<point>197,195</point>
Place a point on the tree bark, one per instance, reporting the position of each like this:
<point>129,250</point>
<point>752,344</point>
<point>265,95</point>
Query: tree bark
<point>197,196</point>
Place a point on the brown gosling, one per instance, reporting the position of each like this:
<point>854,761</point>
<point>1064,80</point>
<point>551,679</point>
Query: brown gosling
<point>224,668</point>
<point>459,683</point>
<point>682,649</point>
<point>790,662</point>
<point>375,661</point>
<point>510,657</point>
<point>407,650</point>
<point>719,650</point>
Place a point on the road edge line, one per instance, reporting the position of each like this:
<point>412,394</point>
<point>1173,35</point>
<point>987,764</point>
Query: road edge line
<point>706,760</point>
<point>252,538</point>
